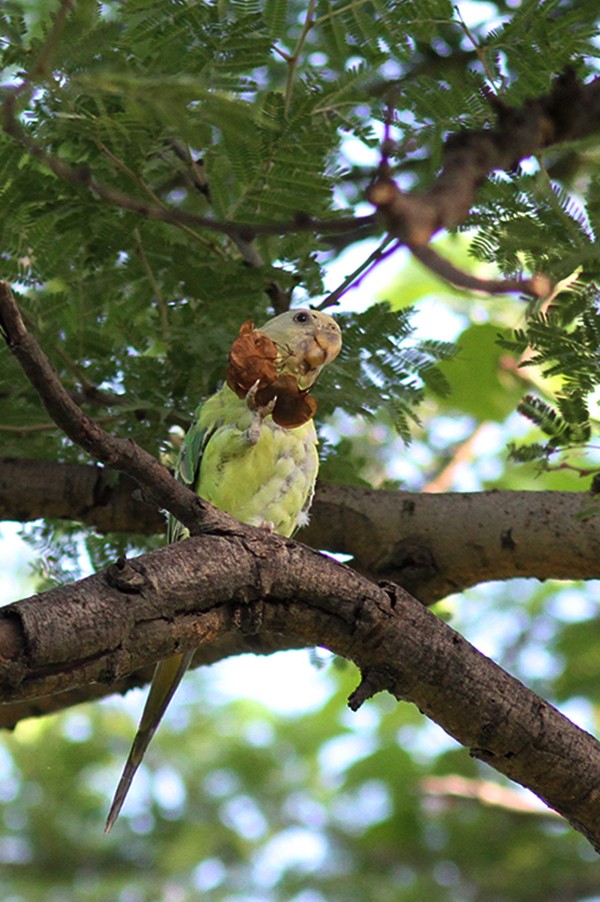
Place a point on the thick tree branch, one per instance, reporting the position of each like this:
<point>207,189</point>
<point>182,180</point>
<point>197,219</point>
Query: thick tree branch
<point>198,592</point>
<point>570,111</point>
<point>432,544</point>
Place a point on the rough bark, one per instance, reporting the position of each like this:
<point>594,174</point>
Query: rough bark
<point>432,544</point>
<point>260,588</point>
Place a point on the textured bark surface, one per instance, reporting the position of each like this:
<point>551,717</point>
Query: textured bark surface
<point>255,592</point>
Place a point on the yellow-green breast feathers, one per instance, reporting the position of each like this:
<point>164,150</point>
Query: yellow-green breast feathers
<point>267,482</point>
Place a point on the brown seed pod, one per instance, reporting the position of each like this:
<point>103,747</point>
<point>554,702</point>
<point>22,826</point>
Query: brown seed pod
<point>251,360</point>
<point>293,406</point>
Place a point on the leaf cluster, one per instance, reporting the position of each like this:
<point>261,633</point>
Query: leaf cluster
<point>383,369</point>
<point>564,346</point>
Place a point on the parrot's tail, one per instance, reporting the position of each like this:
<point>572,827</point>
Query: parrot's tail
<point>166,679</point>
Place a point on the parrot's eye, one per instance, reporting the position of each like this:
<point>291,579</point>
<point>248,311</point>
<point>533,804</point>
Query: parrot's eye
<point>301,318</point>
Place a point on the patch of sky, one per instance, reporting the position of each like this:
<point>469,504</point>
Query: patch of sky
<point>295,849</point>
<point>243,815</point>
<point>209,874</point>
<point>369,804</point>
<point>337,755</point>
<point>169,791</point>
<point>287,681</point>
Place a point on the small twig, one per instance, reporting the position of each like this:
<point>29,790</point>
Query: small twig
<point>295,57</point>
<point>352,281</point>
<point>248,250</point>
<point>537,286</point>
<point>282,53</point>
<point>122,454</point>
<point>162,307</point>
<point>138,180</point>
<point>195,172</point>
<point>480,54</point>
<point>339,11</point>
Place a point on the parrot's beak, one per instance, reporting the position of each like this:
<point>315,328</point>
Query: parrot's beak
<point>324,347</point>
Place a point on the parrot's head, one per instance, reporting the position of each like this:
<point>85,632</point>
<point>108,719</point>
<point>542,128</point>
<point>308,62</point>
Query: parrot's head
<point>307,340</point>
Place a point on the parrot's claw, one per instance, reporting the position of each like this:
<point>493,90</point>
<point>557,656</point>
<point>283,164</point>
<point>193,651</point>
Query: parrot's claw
<point>251,396</point>
<point>262,409</point>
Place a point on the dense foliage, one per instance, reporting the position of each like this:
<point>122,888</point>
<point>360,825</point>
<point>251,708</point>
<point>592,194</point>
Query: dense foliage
<point>259,113</point>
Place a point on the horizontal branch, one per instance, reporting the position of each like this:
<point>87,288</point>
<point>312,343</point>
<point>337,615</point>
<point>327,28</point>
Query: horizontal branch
<point>432,544</point>
<point>260,588</point>
<point>82,177</point>
<point>437,544</point>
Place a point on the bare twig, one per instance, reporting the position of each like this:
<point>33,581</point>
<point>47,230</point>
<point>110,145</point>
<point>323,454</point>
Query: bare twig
<point>293,60</point>
<point>537,286</point>
<point>160,302</point>
<point>479,52</point>
<point>382,251</point>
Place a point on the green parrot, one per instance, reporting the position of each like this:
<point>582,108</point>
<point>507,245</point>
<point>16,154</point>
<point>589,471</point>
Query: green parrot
<point>252,452</point>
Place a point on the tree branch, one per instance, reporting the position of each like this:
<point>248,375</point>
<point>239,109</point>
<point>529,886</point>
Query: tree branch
<point>570,111</point>
<point>82,177</point>
<point>253,585</point>
<point>537,286</point>
<point>432,544</point>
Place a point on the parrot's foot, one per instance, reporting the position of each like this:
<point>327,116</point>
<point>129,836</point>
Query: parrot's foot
<point>263,410</point>
<point>260,411</point>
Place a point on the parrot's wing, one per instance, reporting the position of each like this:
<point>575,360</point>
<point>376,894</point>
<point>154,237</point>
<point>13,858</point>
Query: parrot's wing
<point>167,677</point>
<point>187,469</point>
<point>192,448</point>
